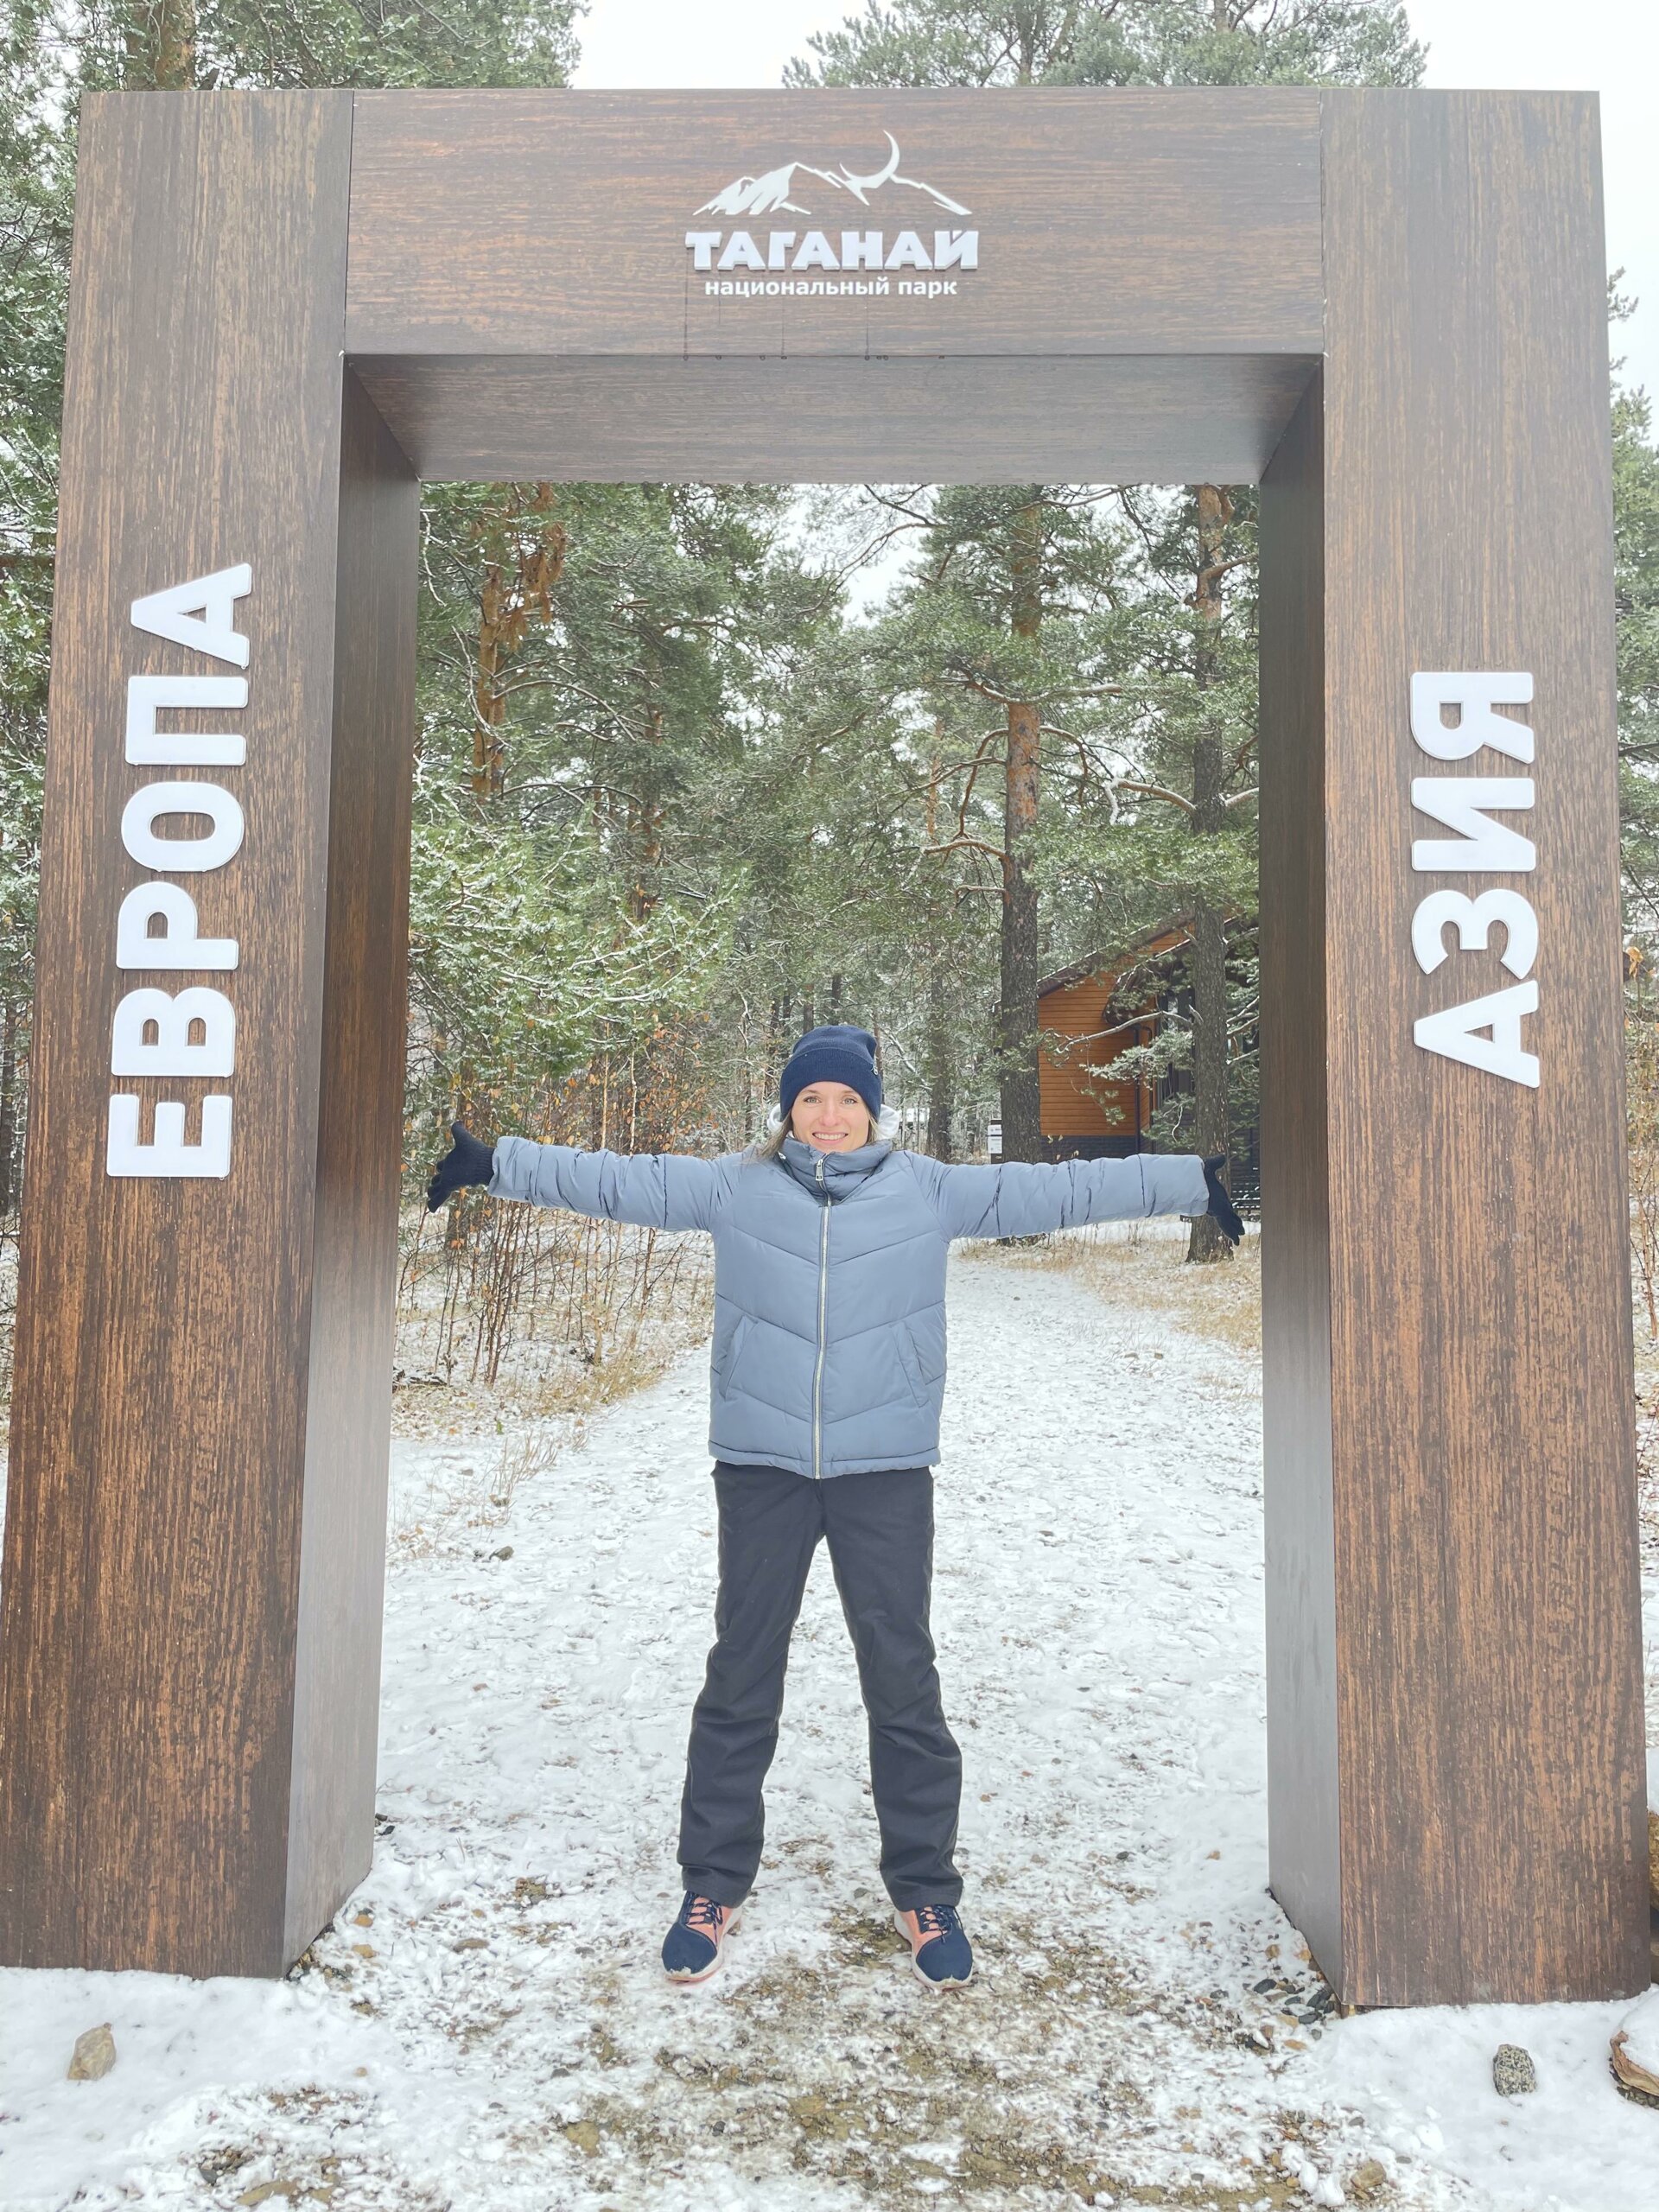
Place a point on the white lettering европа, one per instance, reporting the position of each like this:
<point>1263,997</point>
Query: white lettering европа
<point>200,615</point>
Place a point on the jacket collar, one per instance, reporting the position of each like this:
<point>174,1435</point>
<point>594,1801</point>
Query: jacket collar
<point>842,1172</point>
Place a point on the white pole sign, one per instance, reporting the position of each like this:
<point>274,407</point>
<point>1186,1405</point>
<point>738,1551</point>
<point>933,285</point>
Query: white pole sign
<point>1481,846</point>
<point>191,1033</point>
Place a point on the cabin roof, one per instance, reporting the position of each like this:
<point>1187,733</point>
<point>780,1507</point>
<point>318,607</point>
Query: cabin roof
<point>1161,938</point>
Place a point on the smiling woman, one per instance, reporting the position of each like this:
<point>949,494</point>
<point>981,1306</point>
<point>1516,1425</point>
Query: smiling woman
<point>827,1374</point>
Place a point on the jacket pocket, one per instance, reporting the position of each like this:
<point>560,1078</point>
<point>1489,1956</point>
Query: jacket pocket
<point>728,1361</point>
<point>910,1360</point>
<point>927,1340</point>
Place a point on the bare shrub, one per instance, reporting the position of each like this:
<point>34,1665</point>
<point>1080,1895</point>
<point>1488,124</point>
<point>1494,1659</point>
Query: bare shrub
<point>537,1313</point>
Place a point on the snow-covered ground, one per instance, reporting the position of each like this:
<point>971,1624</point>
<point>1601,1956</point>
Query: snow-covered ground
<point>485,2028</point>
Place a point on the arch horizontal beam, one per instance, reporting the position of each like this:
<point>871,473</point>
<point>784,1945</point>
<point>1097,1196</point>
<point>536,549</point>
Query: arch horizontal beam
<point>1139,419</point>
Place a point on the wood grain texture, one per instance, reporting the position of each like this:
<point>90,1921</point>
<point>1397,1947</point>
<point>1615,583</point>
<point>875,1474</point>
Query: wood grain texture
<point>354,1246</point>
<point>548,223</point>
<point>153,1530</point>
<point>1303,1749</point>
<point>1489,1678</point>
<point>1136,420</point>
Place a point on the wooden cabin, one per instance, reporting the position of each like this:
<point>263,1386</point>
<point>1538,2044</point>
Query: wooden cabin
<point>1083,1117</point>
<point>1088,1015</point>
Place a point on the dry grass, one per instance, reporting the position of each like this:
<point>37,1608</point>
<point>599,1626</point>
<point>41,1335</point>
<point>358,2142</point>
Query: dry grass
<point>1144,1264</point>
<point>564,1384</point>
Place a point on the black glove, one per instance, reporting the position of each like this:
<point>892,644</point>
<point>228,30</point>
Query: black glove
<point>469,1162</point>
<point>1220,1204</point>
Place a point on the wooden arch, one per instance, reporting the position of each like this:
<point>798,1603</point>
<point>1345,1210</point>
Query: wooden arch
<point>287,308</point>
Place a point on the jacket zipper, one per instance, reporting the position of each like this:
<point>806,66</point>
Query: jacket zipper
<point>823,1286</point>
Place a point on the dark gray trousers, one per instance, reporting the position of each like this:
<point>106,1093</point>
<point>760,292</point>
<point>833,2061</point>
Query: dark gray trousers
<point>880,1531</point>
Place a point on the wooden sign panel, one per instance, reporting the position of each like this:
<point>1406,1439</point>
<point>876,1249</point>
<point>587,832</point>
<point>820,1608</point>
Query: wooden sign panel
<point>521,225</point>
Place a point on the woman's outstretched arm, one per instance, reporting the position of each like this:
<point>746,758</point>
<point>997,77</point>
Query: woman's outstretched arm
<point>657,1190</point>
<point>1021,1198</point>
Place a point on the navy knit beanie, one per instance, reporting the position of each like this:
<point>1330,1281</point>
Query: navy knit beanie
<point>835,1054</point>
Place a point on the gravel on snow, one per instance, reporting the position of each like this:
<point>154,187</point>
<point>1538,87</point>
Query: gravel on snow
<point>484,2026</point>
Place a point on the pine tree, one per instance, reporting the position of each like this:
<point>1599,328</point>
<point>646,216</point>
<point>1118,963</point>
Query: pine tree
<point>999,630</point>
<point>979,42</point>
<point>1117,42</point>
<point>1184,827</point>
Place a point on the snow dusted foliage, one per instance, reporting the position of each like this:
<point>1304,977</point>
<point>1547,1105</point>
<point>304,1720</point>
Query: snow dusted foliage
<point>484,2026</point>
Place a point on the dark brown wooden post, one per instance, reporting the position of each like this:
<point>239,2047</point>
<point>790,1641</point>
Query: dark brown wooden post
<point>1454,1690</point>
<point>194,1540</point>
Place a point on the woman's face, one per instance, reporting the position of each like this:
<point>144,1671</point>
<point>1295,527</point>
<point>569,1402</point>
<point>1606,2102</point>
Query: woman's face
<point>830,1117</point>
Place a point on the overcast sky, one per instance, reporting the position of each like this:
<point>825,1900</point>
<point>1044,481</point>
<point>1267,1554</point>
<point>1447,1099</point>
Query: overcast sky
<point>1608,46</point>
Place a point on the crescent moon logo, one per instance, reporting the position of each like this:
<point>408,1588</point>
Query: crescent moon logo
<point>860,186</point>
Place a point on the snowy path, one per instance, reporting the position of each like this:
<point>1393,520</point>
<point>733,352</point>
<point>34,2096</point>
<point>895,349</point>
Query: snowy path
<point>485,2028</point>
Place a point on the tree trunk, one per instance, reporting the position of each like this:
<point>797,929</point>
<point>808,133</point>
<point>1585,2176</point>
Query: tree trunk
<point>527,545</point>
<point>1209,963</point>
<point>1209,1061</point>
<point>489,698</point>
<point>941,1062</point>
<point>160,47</point>
<point>941,1068</point>
<point>649,813</point>
<point>1019,963</point>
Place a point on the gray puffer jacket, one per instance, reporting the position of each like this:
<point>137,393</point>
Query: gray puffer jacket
<point>829,1353</point>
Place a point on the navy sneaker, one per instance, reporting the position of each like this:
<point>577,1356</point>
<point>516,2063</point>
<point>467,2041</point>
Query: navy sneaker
<point>939,1950</point>
<point>691,1948</point>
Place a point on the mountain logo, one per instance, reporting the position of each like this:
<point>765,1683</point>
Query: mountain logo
<point>772,193</point>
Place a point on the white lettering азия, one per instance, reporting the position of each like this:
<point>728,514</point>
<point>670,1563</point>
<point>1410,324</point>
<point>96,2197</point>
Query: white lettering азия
<point>200,615</point>
<point>1481,846</point>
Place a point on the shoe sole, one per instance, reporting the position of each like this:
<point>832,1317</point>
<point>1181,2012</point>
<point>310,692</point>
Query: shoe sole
<point>696,1980</point>
<point>951,1981</point>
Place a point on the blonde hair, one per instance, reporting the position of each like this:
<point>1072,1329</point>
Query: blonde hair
<point>884,1130</point>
